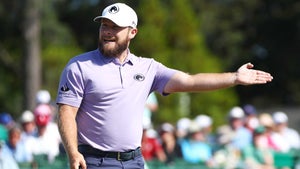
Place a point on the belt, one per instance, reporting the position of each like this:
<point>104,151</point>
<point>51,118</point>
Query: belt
<point>120,156</point>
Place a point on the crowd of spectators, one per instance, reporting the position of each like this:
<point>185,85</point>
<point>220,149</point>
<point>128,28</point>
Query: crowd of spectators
<point>34,133</point>
<point>248,140</point>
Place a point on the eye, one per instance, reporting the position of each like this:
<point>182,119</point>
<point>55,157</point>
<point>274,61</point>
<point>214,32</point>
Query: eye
<point>116,27</point>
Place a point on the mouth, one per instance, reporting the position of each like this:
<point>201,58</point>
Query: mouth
<point>108,39</point>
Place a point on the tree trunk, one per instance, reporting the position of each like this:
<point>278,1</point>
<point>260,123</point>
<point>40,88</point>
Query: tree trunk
<point>32,62</point>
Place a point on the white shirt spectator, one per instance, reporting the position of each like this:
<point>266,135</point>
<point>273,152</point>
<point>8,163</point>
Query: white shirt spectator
<point>286,138</point>
<point>48,143</point>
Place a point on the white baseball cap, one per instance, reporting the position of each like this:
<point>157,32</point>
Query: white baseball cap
<point>167,127</point>
<point>203,121</point>
<point>236,112</point>
<point>183,124</point>
<point>43,97</point>
<point>194,127</point>
<point>27,116</point>
<point>119,13</point>
<point>280,117</point>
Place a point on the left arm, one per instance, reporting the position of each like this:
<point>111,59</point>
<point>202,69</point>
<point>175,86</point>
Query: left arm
<point>245,75</point>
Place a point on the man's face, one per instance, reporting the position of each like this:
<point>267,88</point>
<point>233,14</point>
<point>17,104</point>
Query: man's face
<point>113,40</point>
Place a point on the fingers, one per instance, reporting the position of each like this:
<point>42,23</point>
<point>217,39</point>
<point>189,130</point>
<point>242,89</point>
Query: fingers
<point>79,166</point>
<point>249,65</point>
<point>77,162</point>
<point>248,76</point>
<point>260,76</point>
<point>82,166</point>
<point>246,66</point>
<point>263,77</point>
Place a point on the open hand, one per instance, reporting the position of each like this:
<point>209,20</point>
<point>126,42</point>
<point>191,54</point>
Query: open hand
<point>247,76</point>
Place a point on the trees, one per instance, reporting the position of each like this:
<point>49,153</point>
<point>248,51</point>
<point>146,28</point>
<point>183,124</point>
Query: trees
<point>168,32</point>
<point>31,29</point>
<point>34,47</point>
<point>194,36</point>
<point>265,33</point>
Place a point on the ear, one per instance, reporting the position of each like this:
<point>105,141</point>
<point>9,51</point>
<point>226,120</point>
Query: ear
<point>132,33</point>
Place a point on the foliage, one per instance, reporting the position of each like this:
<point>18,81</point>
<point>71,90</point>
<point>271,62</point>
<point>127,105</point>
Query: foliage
<point>58,45</point>
<point>265,33</point>
<point>193,36</point>
<point>171,36</point>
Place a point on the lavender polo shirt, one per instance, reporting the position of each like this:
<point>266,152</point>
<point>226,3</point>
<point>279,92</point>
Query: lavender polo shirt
<point>110,97</point>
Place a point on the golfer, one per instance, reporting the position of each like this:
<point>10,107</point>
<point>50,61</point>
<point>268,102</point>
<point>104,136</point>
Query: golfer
<point>102,94</point>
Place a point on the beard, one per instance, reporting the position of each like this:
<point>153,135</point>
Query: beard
<point>108,51</point>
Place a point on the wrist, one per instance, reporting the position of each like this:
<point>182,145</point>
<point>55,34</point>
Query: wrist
<point>234,78</point>
<point>72,153</point>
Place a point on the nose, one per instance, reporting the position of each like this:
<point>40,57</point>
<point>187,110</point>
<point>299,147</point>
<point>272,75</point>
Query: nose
<point>105,30</point>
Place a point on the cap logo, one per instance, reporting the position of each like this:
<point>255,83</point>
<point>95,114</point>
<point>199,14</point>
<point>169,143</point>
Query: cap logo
<point>114,9</point>
<point>133,23</point>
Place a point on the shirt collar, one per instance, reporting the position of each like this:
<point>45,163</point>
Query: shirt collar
<point>129,59</point>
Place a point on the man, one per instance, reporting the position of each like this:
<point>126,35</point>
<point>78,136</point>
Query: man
<point>242,136</point>
<point>47,140</point>
<point>258,155</point>
<point>102,94</point>
<point>285,137</point>
<point>15,148</point>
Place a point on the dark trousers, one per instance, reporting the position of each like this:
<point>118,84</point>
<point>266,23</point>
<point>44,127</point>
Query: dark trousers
<point>94,162</point>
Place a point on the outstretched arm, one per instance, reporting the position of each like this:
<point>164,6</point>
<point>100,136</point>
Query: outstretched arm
<point>245,75</point>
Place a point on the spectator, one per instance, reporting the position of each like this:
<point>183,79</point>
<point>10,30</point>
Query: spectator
<point>6,122</point>
<point>182,128</point>
<point>15,147</point>
<point>227,156</point>
<point>225,135</point>
<point>205,123</point>
<point>7,161</point>
<point>47,140</point>
<point>150,107</point>
<point>44,97</point>
<point>194,148</point>
<point>291,138</point>
<point>251,120</point>
<point>242,136</point>
<point>151,147</point>
<point>258,155</point>
<point>265,120</point>
<point>28,125</point>
<point>169,142</point>
<point>232,139</point>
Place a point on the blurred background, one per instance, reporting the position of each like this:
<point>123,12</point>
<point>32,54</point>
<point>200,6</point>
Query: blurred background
<point>37,38</point>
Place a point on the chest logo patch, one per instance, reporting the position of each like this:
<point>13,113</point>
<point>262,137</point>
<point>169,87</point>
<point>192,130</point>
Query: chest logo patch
<point>139,77</point>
